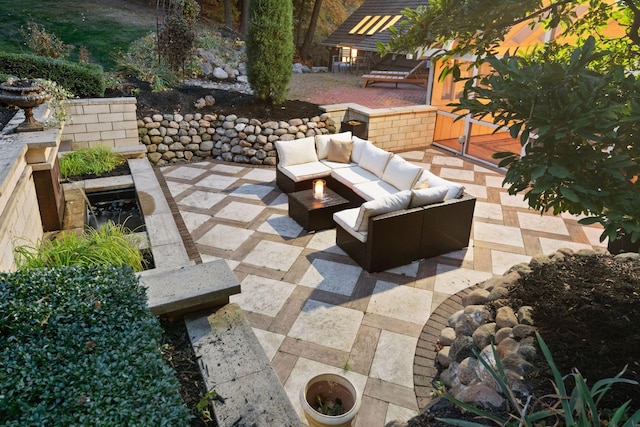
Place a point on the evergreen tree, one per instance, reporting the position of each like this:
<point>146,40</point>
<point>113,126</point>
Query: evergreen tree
<point>270,48</point>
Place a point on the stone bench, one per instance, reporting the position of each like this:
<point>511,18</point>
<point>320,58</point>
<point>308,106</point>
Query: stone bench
<point>234,365</point>
<point>174,293</point>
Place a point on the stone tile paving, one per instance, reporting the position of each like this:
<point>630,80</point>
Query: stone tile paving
<point>314,310</point>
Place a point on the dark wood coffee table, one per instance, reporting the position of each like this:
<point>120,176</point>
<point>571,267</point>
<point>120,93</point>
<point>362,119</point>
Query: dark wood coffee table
<point>313,214</point>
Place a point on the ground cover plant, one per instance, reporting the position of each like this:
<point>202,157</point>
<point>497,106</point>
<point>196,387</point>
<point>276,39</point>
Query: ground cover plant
<point>79,347</point>
<point>99,26</point>
<point>110,244</point>
<point>90,161</point>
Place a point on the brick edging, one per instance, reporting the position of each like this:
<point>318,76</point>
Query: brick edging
<point>424,369</point>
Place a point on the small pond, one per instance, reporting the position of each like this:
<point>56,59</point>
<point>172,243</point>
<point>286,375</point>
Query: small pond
<point>120,206</point>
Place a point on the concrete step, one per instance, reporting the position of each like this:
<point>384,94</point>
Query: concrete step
<point>234,365</point>
<point>174,293</point>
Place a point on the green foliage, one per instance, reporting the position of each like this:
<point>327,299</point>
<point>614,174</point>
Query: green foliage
<point>108,245</point>
<point>141,60</point>
<point>580,408</point>
<point>90,161</point>
<point>79,347</point>
<point>581,104</point>
<point>83,80</point>
<point>583,157</point>
<point>175,41</point>
<point>43,43</point>
<point>270,49</point>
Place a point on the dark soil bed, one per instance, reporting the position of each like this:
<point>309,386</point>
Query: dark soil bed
<point>587,309</point>
<point>182,99</point>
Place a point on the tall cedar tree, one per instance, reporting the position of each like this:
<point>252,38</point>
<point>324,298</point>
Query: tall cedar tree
<point>270,48</point>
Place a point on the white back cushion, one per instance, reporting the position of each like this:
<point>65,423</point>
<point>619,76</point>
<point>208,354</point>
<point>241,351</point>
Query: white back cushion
<point>374,159</point>
<point>400,173</point>
<point>322,142</point>
<point>296,151</point>
<point>376,207</point>
<point>427,196</point>
<point>455,189</point>
<point>358,147</point>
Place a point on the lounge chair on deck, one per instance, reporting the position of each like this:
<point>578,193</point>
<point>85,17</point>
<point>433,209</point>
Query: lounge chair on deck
<point>418,76</point>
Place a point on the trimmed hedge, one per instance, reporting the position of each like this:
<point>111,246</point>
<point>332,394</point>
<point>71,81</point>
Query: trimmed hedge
<point>83,80</point>
<point>78,346</point>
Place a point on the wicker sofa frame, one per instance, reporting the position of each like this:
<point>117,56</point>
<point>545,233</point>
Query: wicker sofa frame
<point>400,237</point>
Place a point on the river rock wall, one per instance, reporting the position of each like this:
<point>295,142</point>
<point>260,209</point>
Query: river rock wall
<point>171,138</point>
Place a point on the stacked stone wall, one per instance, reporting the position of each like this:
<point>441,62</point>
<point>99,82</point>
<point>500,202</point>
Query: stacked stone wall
<point>171,138</point>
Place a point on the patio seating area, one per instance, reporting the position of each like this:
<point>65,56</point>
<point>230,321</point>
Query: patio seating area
<point>315,310</point>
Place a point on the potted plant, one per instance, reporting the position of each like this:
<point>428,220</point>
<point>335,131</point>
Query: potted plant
<point>29,94</point>
<point>329,400</point>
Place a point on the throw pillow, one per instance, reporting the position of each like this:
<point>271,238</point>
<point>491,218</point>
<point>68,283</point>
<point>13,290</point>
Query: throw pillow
<point>322,142</point>
<point>296,151</point>
<point>358,148</point>
<point>427,196</point>
<point>339,151</point>
<point>424,183</point>
<point>374,159</point>
<point>400,173</point>
<point>376,207</point>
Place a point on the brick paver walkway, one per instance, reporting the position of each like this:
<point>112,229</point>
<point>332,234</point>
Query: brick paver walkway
<point>338,88</point>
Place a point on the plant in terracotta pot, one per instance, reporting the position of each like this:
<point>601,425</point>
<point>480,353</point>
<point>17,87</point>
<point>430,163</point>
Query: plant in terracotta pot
<point>330,400</point>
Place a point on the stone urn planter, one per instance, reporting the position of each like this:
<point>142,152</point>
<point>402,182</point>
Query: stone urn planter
<point>25,94</point>
<point>329,400</point>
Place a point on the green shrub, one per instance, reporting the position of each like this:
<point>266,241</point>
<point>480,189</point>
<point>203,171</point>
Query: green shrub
<point>141,60</point>
<point>83,80</point>
<point>270,48</point>
<point>175,42</point>
<point>79,347</point>
<point>108,245</point>
<point>90,161</point>
<point>44,43</point>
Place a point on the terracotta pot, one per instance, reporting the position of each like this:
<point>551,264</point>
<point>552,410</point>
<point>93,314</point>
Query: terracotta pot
<point>330,387</point>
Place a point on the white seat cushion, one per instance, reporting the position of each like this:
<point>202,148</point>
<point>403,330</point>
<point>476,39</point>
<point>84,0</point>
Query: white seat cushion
<point>305,171</point>
<point>400,173</point>
<point>427,196</point>
<point>377,207</point>
<point>322,142</point>
<point>358,148</point>
<point>337,165</point>
<point>347,220</point>
<point>374,159</point>
<point>374,190</point>
<point>352,175</point>
<point>296,151</point>
<point>455,189</point>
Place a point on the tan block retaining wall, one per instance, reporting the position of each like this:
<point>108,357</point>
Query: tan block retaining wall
<point>102,121</point>
<point>392,129</point>
<point>20,221</point>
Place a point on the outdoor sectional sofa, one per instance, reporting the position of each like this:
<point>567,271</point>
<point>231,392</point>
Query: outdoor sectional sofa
<point>397,212</point>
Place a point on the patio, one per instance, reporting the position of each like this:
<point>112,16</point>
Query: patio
<point>314,310</point>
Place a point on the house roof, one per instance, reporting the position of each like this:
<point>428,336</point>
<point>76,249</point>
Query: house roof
<point>369,23</point>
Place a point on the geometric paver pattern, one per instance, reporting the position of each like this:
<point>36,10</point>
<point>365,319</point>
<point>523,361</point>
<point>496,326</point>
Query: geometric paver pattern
<point>315,310</point>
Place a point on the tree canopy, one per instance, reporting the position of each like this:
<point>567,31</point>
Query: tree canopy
<point>574,101</point>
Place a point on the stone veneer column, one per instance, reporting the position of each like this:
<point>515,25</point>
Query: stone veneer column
<point>392,129</point>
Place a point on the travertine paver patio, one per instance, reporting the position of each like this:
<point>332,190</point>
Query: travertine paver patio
<point>314,310</point>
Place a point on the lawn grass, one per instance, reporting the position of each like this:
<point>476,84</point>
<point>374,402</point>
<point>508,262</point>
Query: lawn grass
<point>96,25</point>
